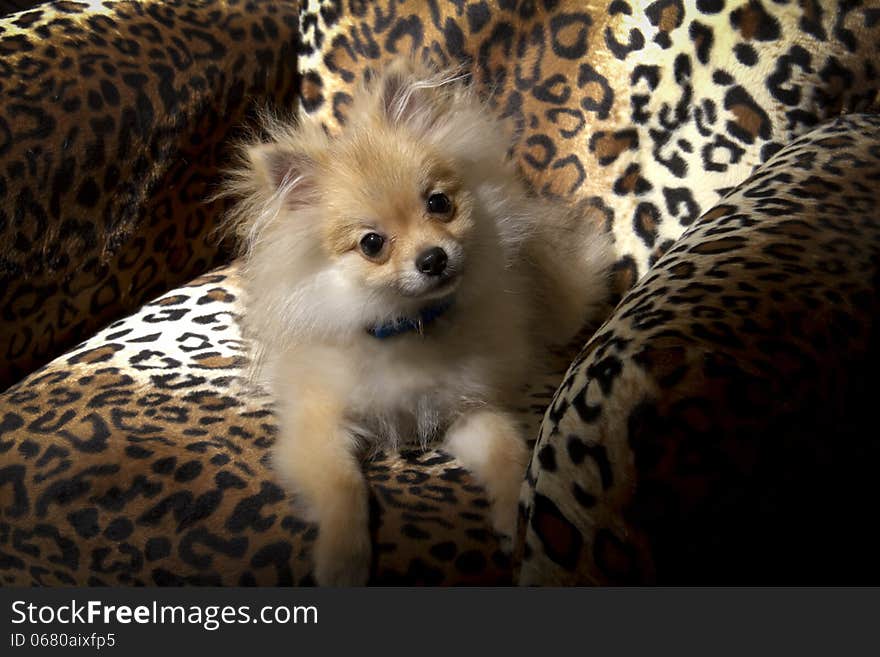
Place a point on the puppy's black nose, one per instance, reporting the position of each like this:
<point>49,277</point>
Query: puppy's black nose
<point>431,261</point>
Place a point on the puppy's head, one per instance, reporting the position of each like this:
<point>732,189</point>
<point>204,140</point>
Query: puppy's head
<point>397,217</point>
<point>385,211</point>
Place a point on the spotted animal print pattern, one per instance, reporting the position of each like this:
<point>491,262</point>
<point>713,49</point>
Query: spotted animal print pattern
<point>716,430</point>
<point>115,121</point>
<point>683,444</point>
<point>141,457</point>
<point>644,113</point>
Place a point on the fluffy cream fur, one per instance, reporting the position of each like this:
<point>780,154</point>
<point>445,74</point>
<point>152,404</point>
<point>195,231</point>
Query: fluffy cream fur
<point>522,273</point>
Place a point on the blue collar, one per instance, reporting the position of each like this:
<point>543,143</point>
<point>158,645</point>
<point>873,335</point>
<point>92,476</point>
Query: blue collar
<point>402,325</point>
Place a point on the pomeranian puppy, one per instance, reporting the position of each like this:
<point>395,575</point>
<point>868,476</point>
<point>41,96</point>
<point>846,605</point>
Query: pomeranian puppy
<point>399,282</point>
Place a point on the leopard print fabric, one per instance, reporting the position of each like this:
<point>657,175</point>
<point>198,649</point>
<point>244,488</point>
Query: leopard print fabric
<point>717,428</point>
<point>137,457</point>
<point>643,113</point>
<point>141,457</point>
<point>113,123</point>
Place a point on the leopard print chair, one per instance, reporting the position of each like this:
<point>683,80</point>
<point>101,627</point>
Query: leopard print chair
<point>712,430</point>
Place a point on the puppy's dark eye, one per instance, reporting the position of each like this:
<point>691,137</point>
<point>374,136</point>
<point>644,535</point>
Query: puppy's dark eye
<point>439,203</point>
<point>371,244</point>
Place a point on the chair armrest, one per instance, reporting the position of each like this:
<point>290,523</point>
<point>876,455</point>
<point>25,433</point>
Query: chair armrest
<point>113,123</point>
<point>713,430</point>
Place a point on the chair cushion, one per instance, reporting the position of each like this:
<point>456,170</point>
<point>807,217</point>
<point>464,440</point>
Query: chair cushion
<point>141,457</point>
<point>115,120</point>
<point>644,113</point>
<point>720,428</point>
<point>138,457</point>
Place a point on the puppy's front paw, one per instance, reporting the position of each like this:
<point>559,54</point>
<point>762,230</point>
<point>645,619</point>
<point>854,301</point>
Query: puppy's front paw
<point>488,443</point>
<point>342,557</point>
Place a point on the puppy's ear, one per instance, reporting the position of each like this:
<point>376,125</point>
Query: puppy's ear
<point>282,169</point>
<point>413,94</point>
